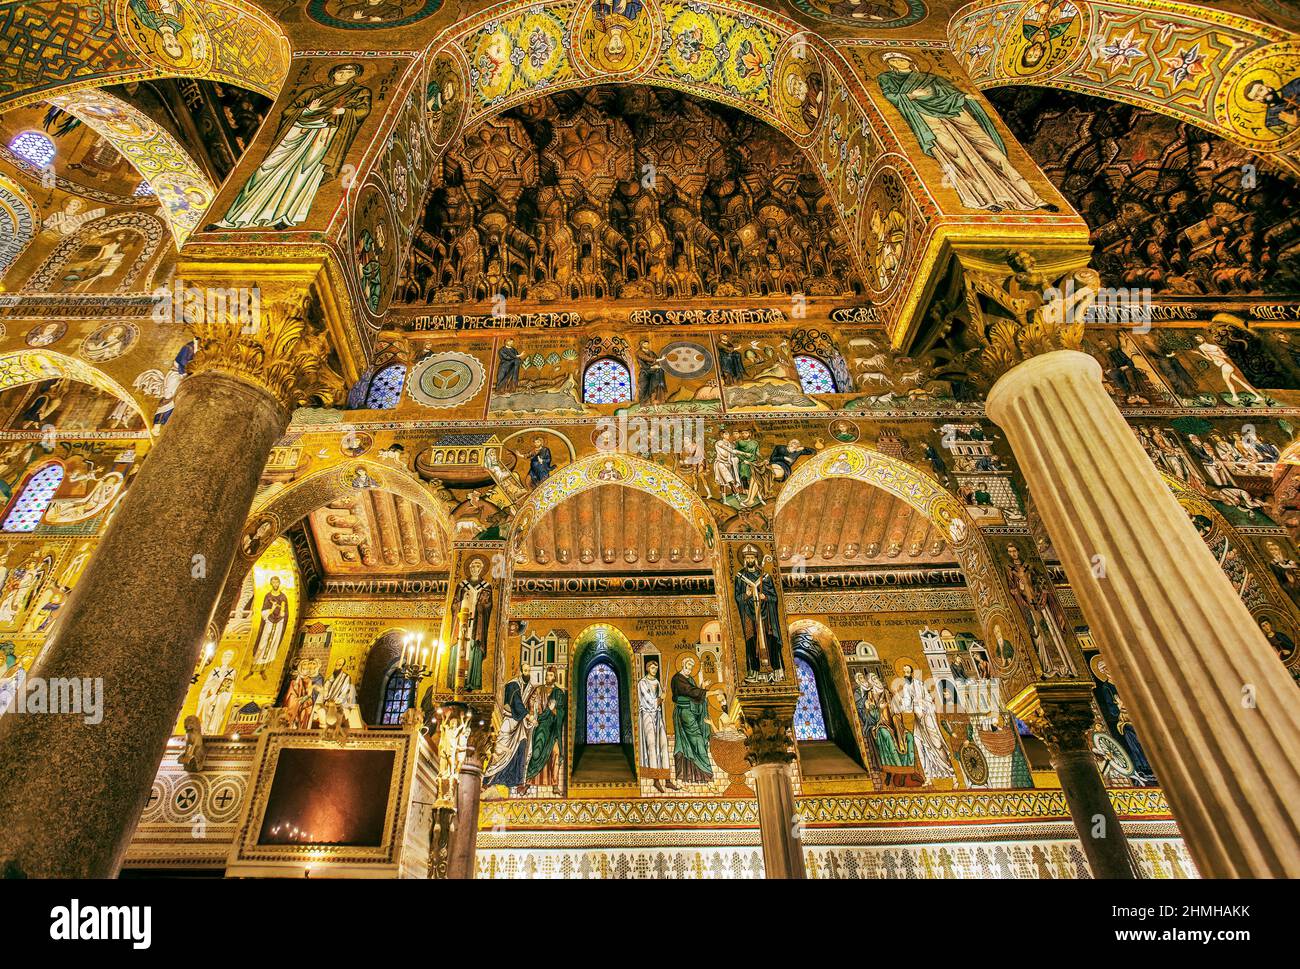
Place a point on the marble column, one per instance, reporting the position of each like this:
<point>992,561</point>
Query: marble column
<point>769,739</point>
<point>1216,711</point>
<point>71,791</point>
<point>469,788</point>
<point>1064,723</point>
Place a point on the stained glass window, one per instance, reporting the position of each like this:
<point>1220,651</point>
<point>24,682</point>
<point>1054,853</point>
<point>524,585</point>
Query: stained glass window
<point>35,147</point>
<point>386,387</point>
<point>607,382</point>
<point>814,376</point>
<point>602,705</point>
<point>808,721</point>
<point>26,511</point>
<point>398,693</point>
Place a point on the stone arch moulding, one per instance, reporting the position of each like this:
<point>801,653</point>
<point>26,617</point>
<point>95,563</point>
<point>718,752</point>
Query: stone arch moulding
<point>640,475</point>
<point>19,217</point>
<point>179,184</point>
<point>149,228</point>
<point>674,44</point>
<point>52,46</point>
<point>1204,66</point>
<point>984,578</point>
<point>30,366</point>
<point>284,508</point>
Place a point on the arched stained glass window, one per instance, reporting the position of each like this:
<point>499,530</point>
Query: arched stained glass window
<point>26,511</point>
<point>606,381</point>
<point>814,376</point>
<point>808,721</point>
<point>386,387</point>
<point>35,147</point>
<point>398,693</point>
<point>602,705</point>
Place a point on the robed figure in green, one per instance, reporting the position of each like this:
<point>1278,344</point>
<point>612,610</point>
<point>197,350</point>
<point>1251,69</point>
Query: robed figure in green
<point>690,725</point>
<point>954,129</point>
<point>547,707</point>
<point>316,130</point>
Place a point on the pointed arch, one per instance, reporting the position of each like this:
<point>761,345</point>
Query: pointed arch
<point>18,221</point>
<point>31,366</point>
<point>52,47</point>
<point>922,492</point>
<point>602,644</point>
<point>1184,60</point>
<point>277,511</point>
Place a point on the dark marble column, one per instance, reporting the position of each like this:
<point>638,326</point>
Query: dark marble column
<point>71,791</point>
<point>1065,726</point>
<point>769,738</point>
<point>469,787</point>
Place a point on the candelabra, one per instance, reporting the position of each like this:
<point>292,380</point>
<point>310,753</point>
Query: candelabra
<point>415,657</point>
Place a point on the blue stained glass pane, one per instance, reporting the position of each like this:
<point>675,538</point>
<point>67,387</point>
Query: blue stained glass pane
<point>808,722</point>
<point>602,705</point>
<point>25,513</point>
<point>386,388</point>
<point>35,147</point>
<point>607,382</point>
<point>814,376</point>
<point>397,699</point>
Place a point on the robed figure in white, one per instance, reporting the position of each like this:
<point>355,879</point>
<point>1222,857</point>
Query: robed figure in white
<point>316,130</point>
<point>275,614</point>
<point>931,750</point>
<point>656,762</point>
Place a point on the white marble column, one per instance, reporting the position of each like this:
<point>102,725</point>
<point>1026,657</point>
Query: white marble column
<point>1216,712</point>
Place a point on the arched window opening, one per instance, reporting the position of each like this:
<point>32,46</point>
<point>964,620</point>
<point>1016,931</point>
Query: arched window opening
<point>34,146</point>
<point>607,381</point>
<point>27,509</point>
<point>602,705</point>
<point>809,719</point>
<point>399,696</point>
<point>814,376</point>
<point>386,387</point>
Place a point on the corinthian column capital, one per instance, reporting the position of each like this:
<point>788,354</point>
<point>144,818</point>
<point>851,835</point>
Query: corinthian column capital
<point>271,342</point>
<point>769,735</point>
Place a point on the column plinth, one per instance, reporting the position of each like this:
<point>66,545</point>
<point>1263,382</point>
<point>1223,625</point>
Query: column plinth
<point>71,792</point>
<point>1215,709</point>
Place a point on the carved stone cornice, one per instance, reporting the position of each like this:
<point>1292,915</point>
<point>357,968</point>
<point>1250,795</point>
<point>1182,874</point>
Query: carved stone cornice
<point>275,347</point>
<point>769,735</point>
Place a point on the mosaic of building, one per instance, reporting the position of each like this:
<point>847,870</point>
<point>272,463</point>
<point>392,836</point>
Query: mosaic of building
<point>650,439</point>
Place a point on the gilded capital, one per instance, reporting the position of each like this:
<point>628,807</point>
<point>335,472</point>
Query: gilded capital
<point>1061,715</point>
<point>769,735</point>
<point>271,341</point>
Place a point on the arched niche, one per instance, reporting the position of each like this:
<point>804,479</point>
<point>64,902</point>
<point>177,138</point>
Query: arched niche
<point>602,644</point>
<point>813,643</point>
<point>280,510</point>
<point>799,83</point>
<point>916,488</point>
